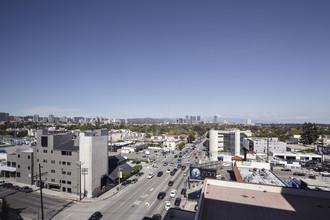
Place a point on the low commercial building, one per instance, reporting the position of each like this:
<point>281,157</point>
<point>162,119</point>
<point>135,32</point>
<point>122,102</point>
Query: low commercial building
<point>260,145</point>
<point>226,141</point>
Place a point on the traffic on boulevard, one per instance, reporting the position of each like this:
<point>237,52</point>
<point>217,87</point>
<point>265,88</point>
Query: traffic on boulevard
<point>162,185</point>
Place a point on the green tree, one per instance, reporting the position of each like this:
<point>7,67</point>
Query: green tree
<point>206,144</point>
<point>137,168</point>
<point>309,134</point>
<point>191,138</point>
<point>125,176</point>
<point>181,145</point>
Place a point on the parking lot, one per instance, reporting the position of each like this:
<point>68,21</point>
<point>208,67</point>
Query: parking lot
<point>26,205</point>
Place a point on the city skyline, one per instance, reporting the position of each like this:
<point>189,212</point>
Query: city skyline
<point>265,61</point>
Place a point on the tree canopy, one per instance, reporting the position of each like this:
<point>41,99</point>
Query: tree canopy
<point>310,133</point>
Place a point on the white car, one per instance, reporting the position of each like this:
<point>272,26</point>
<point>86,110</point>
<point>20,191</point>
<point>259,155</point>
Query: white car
<point>150,175</point>
<point>173,193</point>
<point>167,205</point>
<point>168,171</point>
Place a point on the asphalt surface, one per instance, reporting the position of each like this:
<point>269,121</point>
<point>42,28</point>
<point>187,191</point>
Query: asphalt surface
<point>27,205</point>
<point>135,201</point>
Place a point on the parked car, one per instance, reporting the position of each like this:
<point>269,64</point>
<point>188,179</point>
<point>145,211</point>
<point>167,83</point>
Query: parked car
<point>183,191</point>
<point>161,195</point>
<point>2,182</point>
<point>170,183</point>
<point>286,169</point>
<point>177,201</point>
<point>95,216</point>
<point>156,217</point>
<point>15,187</point>
<point>134,181</point>
<point>173,193</point>
<point>167,205</point>
<point>26,189</point>
<point>7,185</point>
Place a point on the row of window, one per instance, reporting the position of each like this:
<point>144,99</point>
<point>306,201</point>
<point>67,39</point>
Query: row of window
<point>63,172</point>
<point>53,162</point>
<point>19,156</point>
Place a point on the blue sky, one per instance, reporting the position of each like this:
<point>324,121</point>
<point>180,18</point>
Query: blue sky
<point>264,60</point>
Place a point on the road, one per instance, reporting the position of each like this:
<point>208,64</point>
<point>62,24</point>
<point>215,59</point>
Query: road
<point>27,204</point>
<point>140,199</point>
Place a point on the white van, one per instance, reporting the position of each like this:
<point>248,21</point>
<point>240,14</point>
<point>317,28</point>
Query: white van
<point>2,182</point>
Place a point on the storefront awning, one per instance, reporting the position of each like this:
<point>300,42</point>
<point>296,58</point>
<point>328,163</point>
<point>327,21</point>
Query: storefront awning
<point>9,169</point>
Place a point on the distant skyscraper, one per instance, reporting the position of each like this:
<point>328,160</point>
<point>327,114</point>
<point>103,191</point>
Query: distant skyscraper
<point>215,119</point>
<point>36,118</point>
<point>4,116</point>
<point>249,121</point>
<point>198,119</point>
<point>187,119</point>
<point>205,119</point>
<point>51,118</point>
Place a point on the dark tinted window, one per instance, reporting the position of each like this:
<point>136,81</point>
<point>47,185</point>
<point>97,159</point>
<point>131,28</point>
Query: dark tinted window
<point>44,141</point>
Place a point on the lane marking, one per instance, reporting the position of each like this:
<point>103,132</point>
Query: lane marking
<point>152,203</point>
<point>68,216</point>
<point>137,202</point>
<point>144,196</point>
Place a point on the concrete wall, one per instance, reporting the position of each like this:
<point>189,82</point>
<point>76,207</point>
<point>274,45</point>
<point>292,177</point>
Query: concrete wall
<point>93,154</point>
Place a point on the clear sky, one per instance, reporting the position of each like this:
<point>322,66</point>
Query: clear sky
<point>264,60</point>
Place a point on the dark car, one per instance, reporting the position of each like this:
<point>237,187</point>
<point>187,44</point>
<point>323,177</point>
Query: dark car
<point>177,201</point>
<point>172,173</point>
<point>179,165</point>
<point>26,189</point>
<point>156,217</point>
<point>134,181</point>
<point>15,187</point>
<point>161,195</point>
<point>286,169</point>
<point>160,173</point>
<point>183,191</point>
<point>95,216</point>
<point>128,181</point>
<point>183,167</point>
<point>170,183</point>
<point>137,162</point>
<point>7,185</point>
<point>175,156</point>
<point>165,164</point>
<point>180,156</point>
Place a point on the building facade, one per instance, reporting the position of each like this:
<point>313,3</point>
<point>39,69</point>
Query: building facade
<point>259,145</point>
<point>226,141</point>
<point>93,155</point>
<point>57,155</point>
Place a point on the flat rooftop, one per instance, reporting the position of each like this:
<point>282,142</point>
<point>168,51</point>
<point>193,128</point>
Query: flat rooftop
<point>259,176</point>
<point>233,200</point>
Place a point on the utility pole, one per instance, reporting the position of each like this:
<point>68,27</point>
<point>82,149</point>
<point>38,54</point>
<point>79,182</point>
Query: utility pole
<point>79,173</point>
<point>40,184</point>
<point>119,178</point>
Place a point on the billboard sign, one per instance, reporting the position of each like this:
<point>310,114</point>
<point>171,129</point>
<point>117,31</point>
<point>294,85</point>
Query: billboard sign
<point>200,173</point>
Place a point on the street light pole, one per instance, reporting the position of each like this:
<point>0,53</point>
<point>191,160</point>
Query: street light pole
<point>41,200</point>
<point>79,173</point>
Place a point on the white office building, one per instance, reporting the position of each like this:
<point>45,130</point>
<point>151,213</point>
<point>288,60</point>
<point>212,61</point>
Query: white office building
<point>259,145</point>
<point>226,141</point>
<point>93,157</point>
